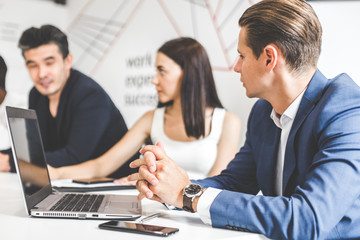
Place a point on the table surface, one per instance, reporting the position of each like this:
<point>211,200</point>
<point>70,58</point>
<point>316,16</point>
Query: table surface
<point>16,224</point>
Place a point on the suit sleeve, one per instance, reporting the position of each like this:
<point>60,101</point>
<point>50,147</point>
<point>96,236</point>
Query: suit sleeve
<point>89,122</point>
<point>327,195</point>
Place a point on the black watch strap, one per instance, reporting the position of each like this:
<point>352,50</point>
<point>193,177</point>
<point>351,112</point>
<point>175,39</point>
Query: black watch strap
<point>187,204</point>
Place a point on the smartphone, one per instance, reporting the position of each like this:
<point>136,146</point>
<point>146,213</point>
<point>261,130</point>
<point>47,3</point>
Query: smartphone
<point>138,228</point>
<point>93,180</point>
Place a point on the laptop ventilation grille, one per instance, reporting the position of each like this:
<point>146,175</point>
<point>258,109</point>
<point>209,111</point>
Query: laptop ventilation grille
<point>60,214</point>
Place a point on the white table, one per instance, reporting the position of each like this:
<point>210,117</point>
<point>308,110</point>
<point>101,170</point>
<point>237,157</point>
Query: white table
<point>16,224</point>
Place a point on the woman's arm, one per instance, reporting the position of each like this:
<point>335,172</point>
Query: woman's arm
<point>228,144</point>
<point>113,158</point>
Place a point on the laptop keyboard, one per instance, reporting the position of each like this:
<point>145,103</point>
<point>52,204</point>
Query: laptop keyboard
<point>78,203</point>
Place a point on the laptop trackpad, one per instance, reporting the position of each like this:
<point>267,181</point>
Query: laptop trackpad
<point>123,204</point>
<point>120,205</point>
<point>122,208</point>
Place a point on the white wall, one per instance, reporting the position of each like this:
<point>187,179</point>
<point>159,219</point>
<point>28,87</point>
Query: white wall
<point>15,17</point>
<point>341,37</point>
<point>115,42</point>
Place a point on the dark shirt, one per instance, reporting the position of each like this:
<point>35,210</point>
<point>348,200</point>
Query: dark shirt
<point>87,123</point>
<point>53,140</point>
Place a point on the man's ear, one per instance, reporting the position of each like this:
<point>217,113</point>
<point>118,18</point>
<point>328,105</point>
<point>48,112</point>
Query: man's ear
<point>68,61</point>
<point>271,53</point>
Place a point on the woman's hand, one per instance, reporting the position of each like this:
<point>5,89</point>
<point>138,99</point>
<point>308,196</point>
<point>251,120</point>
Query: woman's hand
<point>53,172</point>
<point>124,181</point>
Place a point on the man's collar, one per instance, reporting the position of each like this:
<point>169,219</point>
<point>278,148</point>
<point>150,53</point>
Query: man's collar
<point>289,113</point>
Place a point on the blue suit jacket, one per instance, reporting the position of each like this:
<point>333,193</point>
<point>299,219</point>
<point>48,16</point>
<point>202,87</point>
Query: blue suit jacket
<point>321,178</point>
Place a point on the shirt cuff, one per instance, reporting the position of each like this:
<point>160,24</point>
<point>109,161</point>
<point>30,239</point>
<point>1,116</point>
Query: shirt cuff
<point>204,204</point>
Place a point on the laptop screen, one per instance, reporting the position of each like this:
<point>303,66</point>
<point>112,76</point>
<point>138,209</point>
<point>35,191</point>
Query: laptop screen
<point>28,154</point>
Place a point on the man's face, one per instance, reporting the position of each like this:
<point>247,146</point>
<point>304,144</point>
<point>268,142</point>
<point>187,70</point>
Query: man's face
<point>48,69</point>
<point>252,70</point>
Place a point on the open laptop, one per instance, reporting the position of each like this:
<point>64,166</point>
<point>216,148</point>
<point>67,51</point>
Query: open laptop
<point>40,198</point>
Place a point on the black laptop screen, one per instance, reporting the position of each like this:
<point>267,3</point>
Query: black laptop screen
<point>29,155</point>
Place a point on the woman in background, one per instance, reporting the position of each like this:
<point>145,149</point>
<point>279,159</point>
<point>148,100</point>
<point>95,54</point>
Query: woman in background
<point>190,121</point>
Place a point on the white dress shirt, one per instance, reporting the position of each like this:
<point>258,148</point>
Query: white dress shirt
<point>284,122</point>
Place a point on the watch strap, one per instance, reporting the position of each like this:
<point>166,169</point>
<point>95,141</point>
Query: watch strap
<point>187,204</point>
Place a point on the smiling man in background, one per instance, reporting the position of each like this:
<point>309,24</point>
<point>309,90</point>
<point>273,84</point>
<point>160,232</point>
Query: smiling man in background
<point>78,120</point>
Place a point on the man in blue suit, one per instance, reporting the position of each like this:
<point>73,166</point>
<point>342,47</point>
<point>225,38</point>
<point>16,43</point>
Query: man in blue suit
<point>302,147</point>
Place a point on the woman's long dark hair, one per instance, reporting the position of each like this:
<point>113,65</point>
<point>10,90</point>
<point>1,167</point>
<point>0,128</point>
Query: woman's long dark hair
<point>198,89</point>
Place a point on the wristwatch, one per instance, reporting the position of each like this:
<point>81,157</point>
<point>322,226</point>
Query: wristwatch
<point>190,192</point>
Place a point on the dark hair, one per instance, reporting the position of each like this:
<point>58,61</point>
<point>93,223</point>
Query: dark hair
<point>292,25</point>
<point>35,37</point>
<point>198,89</point>
<point>3,70</point>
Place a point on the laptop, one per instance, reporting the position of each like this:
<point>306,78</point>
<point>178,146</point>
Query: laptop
<point>41,200</point>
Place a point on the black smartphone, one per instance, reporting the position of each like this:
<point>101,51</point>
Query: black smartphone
<point>93,180</point>
<point>138,228</point>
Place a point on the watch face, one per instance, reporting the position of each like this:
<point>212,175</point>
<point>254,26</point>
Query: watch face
<point>192,189</point>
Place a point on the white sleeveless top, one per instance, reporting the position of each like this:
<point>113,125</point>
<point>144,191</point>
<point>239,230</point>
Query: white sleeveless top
<point>14,100</point>
<point>196,157</point>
